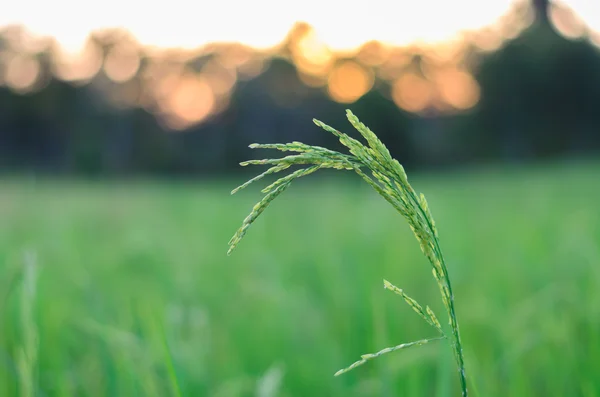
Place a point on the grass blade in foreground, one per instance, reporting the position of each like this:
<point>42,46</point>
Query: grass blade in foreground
<point>27,354</point>
<point>389,180</point>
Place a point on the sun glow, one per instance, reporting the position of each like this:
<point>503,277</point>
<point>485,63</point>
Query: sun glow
<point>342,25</point>
<point>339,46</point>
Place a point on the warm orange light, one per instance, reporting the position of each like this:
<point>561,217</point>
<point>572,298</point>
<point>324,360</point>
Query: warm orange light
<point>161,77</point>
<point>20,38</point>
<point>164,86</point>
<point>78,66</point>
<point>458,88</point>
<point>251,68</point>
<point>311,55</point>
<point>595,38</point>
<point>315,48</point>
<point>121,63</point>
<point>566,22</point>
<point>487,40</point>
<point>235,56</point>
<point>312,80</point>
<point>259,23</point>
<point>220,78</point>
<point>173,122</point>
<point>192,100</point>
<point>373,53</point>
<point>394,65</point>
<point>349,81</point>
<point>510,25</point>
<point>412,93</point>
<point>22,72</point>
<point>447,53</point>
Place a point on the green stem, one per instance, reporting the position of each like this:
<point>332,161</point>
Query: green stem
<point>456,344</point>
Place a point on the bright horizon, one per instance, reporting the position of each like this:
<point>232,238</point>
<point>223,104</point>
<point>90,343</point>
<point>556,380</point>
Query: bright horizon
<point>181,97</point>
<point>342,25</point>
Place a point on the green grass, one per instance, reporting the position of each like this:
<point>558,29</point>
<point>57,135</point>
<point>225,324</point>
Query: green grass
<point>135,295</point>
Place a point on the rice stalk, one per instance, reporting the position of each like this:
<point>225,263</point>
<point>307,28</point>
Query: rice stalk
<point>375,165</point>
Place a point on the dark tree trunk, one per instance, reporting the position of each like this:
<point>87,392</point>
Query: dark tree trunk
<point>540,8</point>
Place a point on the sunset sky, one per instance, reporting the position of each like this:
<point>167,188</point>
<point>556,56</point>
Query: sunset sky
<point>182,97</point>
<point>341,24</point>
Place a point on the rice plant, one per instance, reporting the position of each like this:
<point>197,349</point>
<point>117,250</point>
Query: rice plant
<point>389,179</point>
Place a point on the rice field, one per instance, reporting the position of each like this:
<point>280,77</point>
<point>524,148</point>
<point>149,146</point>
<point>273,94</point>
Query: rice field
<point>125,289</point>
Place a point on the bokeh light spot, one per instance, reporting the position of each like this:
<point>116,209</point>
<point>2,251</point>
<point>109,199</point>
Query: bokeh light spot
<point>121,63</point>
<point>22,72</point>
<point>78,66</point>
<point>311,55</point>
<point>192,100</point>
<point>220,78</point>
<point>458,88</point>
<point>312,80</point>
<point>251,68</point>
<point>487,40</point>
<point>412,93</point>
<point>349,81</point>
<point>373,53</point>
<point>566,22</point>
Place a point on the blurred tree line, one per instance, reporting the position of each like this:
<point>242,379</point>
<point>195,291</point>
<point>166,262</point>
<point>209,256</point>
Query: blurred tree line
<point>539,97</point>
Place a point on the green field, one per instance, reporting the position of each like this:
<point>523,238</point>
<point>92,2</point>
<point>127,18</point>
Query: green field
<point>136,297</point>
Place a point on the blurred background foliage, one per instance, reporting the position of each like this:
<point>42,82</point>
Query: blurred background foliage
<point>524,88</point>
